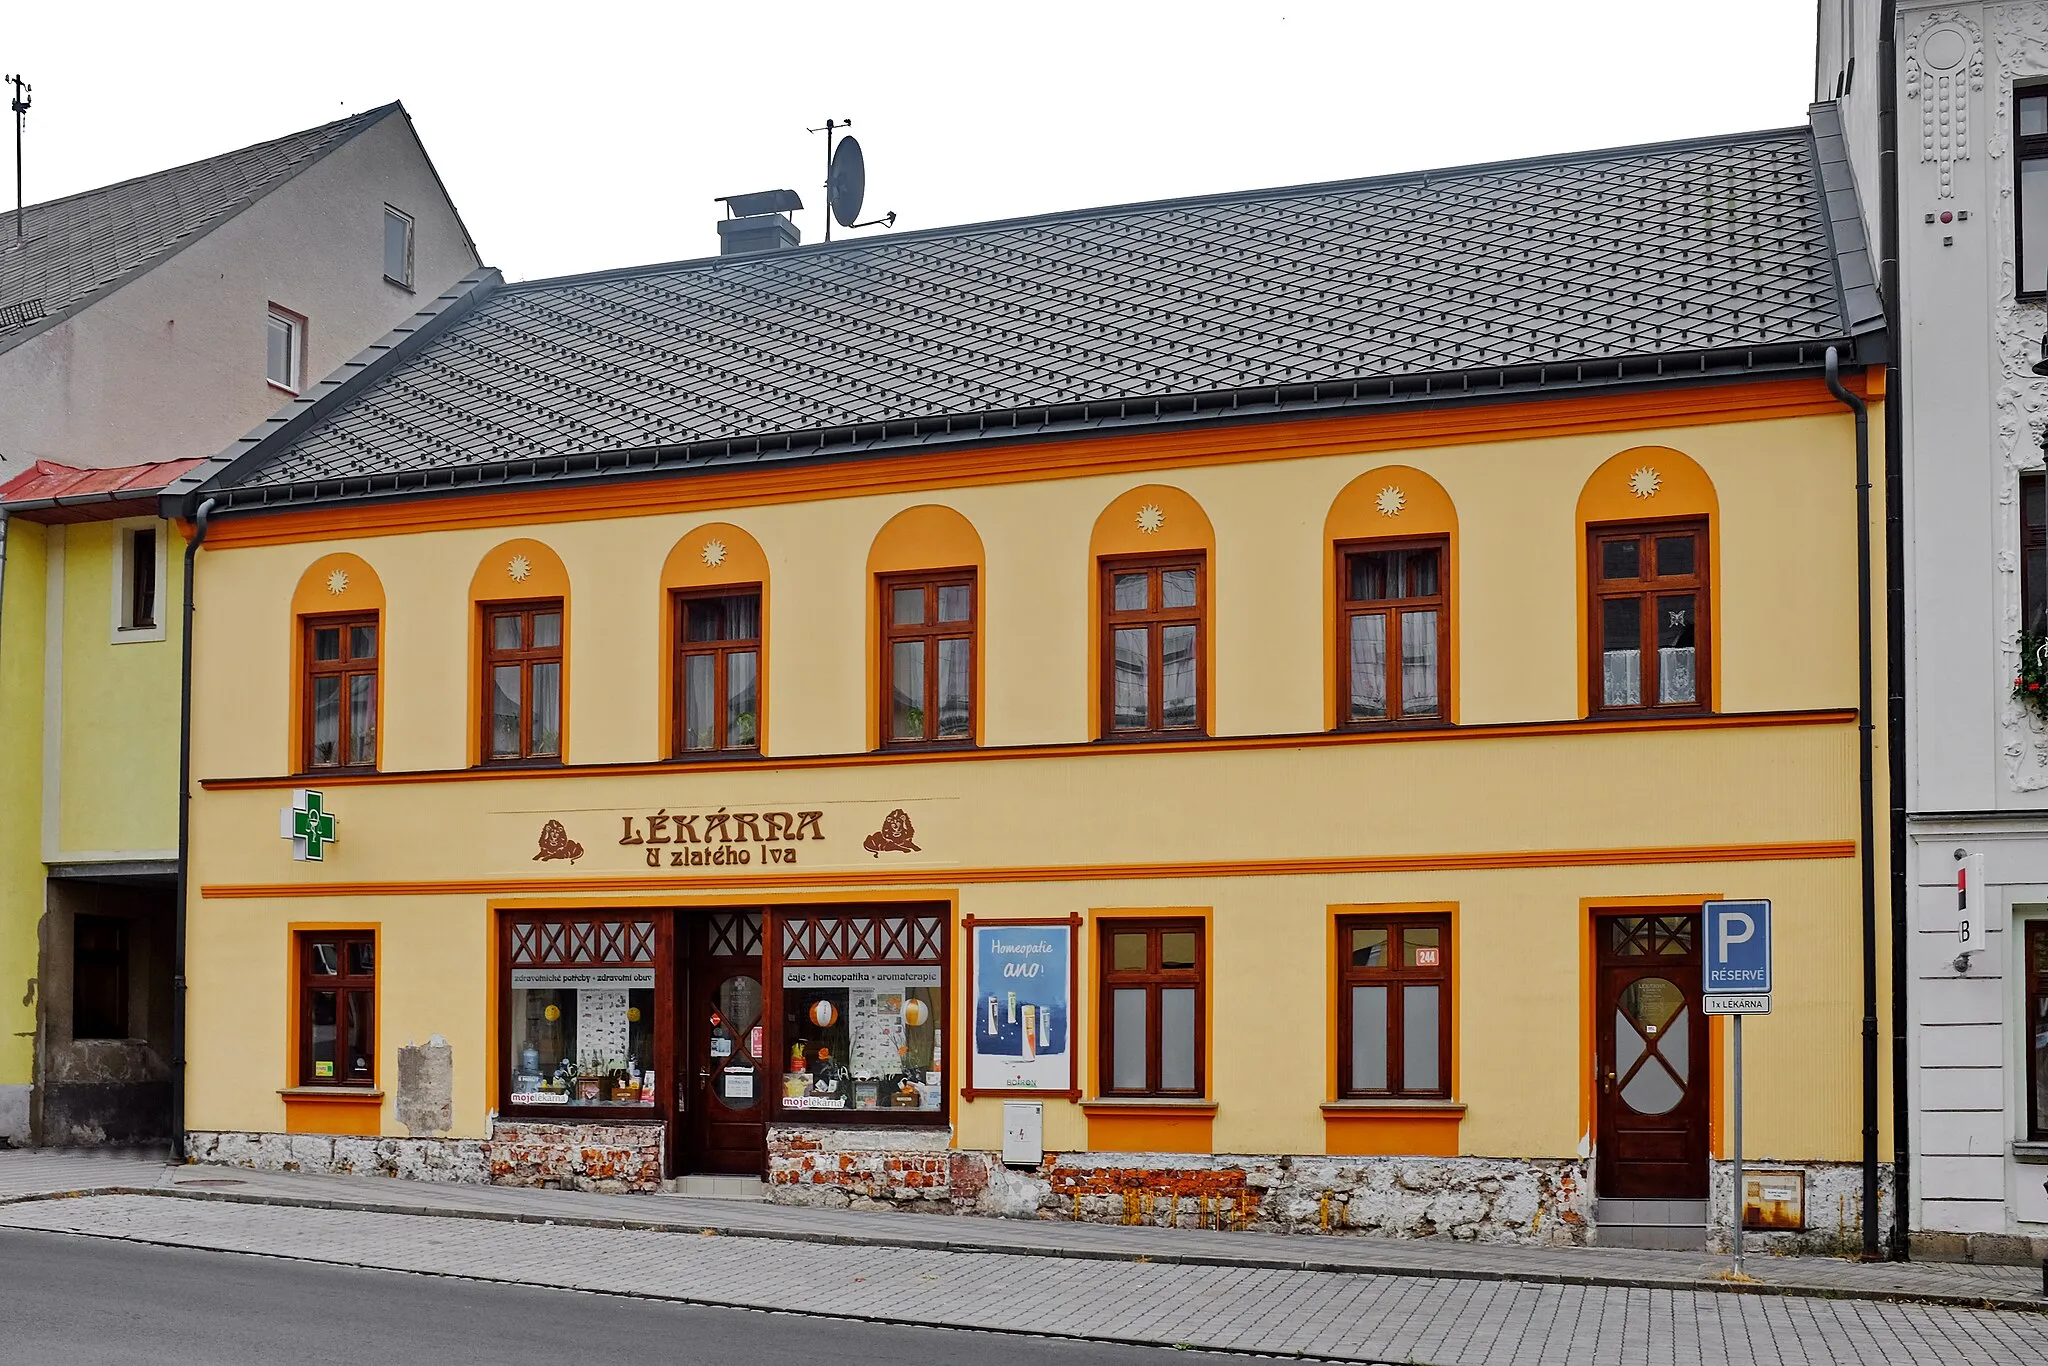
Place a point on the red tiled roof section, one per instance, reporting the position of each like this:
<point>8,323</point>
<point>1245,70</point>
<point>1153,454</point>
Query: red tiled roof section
<point>49,492</point>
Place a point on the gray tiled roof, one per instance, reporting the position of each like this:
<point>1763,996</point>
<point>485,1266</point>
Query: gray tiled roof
<point>74,250</point>
<point>1684,259</point>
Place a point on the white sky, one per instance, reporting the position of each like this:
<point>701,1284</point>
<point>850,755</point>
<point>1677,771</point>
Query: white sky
<point>583,136</point>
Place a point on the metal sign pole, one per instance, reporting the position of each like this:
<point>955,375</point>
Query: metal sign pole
<point>1738,1146</point>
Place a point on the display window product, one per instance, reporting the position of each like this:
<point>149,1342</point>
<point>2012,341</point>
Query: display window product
<point>863,1012</point>
<point>582,1017</point>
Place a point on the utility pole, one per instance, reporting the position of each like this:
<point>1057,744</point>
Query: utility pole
<point>20,107</point>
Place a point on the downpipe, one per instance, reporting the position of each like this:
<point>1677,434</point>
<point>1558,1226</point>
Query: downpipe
<point>199,523</point>
<point>1866,777</point>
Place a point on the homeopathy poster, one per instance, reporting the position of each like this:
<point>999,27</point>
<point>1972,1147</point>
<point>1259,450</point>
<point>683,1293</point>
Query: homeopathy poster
<point>1023,1008</point>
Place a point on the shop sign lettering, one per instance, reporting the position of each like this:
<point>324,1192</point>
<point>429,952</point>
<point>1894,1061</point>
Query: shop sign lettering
<point>721,838</point>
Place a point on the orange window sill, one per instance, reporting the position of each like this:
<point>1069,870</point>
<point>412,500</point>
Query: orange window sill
<point>355,1111</point>
<point>1392,1128</point>
<point>1163,1107</point>
<point>332,1095</point>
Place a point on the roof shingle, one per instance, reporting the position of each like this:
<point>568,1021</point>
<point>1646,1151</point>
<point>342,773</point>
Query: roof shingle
<point>1671,251</point>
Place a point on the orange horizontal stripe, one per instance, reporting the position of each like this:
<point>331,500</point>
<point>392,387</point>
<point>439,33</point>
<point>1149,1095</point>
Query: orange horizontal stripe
<point>1082,872</point>
<point>1018,461</point>
<point>1310,740</point>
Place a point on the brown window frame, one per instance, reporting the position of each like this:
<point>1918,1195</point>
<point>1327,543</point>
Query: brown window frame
<point>721,651</point>
<point>525,657</point>
<point>139,610</point>
<point>1646,591</point>
<point>2025,148</point>
<point>1154,619</point>
<point>1153,978</point>
<point>1349,608</point>
<point>579,939</point>
<point>344,984</point>
<point>2036,981</point>
<point>930,631</point>
<point>345,666</point>
<point>2034,552</point>
<point>879,935</point>
<point>1396,976</point>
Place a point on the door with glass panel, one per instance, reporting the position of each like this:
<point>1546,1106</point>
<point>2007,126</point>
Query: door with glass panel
<point>724,1043</point>
<point>1648,629</point>
<point>1650,1068</point>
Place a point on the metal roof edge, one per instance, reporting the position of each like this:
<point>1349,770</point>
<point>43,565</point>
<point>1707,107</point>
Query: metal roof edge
<point>1421,178</point>
<point>1841,207</point>
<point>476,257</point>
<point>1172,412</point>
<point>180,498</point>
<point>369,119</point>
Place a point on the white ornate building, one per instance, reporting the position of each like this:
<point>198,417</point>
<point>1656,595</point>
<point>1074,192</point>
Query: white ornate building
<point>1968,225</point>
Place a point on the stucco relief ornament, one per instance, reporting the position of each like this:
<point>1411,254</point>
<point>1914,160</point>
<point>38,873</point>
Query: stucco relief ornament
<point>713,553</point>
<point>1645,482</point>
<point>1150,518</point>
<point>1390,501</point>
<point>1944,63</point>
<point>337,582</point>
<point>520,568</point>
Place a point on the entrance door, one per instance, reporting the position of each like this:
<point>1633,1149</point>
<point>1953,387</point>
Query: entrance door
<point>722,1043</point>
<point>1651,1066</point>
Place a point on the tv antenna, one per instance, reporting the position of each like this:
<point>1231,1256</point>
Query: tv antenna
<point>846,180</point>
<point>20,108</point>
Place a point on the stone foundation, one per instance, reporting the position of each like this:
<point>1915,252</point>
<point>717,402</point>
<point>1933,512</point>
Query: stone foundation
<point>462,1160</point>
<point>615,1158</point>
<point>1472,1199</point>
<point>1834,1209</point>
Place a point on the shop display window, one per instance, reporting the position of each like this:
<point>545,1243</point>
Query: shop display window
<point>863,1013</point>
<point>580,1013</point>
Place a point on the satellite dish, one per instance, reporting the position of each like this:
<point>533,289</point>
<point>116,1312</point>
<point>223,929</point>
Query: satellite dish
<point>847,183</point>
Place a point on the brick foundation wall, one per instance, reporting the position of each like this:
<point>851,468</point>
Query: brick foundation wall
<point>614,1158</point>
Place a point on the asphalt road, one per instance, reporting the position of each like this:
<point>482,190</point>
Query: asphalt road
<point>68,1301</point>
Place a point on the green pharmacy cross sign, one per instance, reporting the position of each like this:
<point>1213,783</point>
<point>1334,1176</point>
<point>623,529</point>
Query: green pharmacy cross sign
<point>308,825</point>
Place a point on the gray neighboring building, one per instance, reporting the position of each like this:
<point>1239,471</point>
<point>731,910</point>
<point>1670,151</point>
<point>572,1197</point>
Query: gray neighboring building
<point>143,327</point>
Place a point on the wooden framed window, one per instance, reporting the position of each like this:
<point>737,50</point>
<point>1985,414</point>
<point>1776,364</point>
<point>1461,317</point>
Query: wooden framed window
<point>2030,189</point>
<point>1154,665</point>
<point>1394,628</point>
<point>1394,1006</point>
<point>927,660</point>
<point>337,1008</point>
<point>1152,1009</point>
<point>859,1007</point>
<point>718,671</point>
<point>570,1049</point>
<point>522,681</point>
<point>2034,552</point>
<point>2036,1029</point>
<point>340,697</point>
<point>1649,617</point>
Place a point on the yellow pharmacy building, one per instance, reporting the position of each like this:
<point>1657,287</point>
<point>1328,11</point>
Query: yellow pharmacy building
<point>1223,711</point>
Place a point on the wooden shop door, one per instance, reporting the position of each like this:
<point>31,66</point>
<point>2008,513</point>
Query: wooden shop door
<point>1651,1066</point>
<point>722,1033</point>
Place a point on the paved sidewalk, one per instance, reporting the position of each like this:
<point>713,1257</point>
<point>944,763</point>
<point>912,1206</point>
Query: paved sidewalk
<point>1345,1316</point>
<point>51,1172</point>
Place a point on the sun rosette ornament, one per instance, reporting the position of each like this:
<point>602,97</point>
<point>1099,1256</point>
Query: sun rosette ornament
<point>2030,680</point>
<point>1151,517</point>
<point>1645,482</point>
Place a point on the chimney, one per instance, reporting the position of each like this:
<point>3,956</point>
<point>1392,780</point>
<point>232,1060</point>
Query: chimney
<point>758,222</point>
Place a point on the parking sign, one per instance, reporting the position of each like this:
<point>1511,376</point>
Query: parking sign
<point>1738,958</point>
